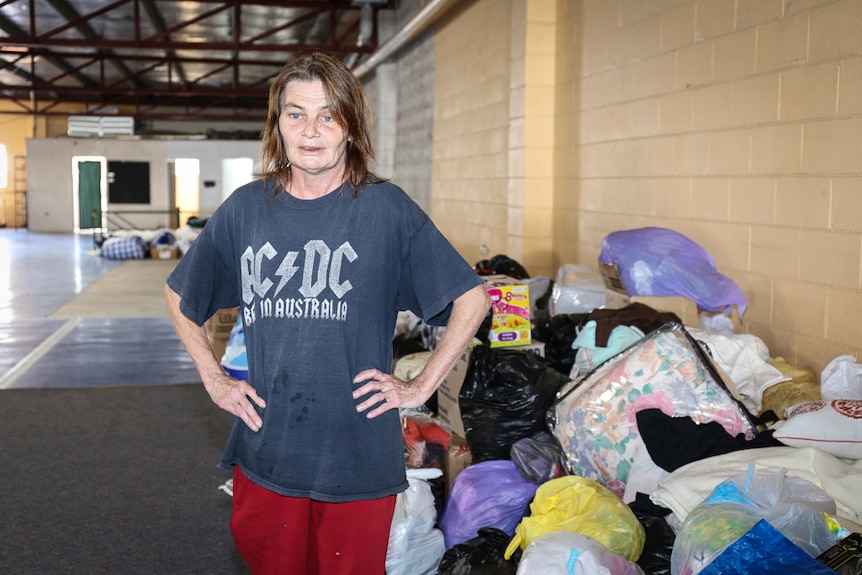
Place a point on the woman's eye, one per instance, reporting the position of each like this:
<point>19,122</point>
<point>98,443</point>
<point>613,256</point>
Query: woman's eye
<point>326,119</point>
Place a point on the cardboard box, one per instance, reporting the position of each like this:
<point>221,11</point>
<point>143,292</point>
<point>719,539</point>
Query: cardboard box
<point>617,297</point>
<point>537,347</point>
<point>218,329</point>
<point>510,308</point>
<point>458,458</point>
<point>448,410</point>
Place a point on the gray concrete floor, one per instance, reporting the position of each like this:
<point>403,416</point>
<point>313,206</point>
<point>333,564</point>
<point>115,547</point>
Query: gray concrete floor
<point>40,272</point>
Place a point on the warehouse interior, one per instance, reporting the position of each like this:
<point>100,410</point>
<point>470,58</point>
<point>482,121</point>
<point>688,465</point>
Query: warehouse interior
<point>530,128</point>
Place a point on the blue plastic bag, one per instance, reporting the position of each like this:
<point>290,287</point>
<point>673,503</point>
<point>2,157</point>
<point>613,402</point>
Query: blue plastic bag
<point>235,359</point>
<point>763,550</point>
<point>661,262</point>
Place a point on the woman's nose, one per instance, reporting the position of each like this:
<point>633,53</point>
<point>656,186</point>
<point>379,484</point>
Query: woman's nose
<point>309,128</point>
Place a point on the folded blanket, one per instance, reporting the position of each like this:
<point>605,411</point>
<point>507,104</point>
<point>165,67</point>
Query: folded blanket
<point>689,485</point>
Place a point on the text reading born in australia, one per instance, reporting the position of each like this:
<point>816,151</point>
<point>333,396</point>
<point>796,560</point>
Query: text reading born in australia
<point>306,284</point>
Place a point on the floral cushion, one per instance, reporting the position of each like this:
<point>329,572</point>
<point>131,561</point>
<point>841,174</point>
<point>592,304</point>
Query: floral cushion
<point>595,417</point>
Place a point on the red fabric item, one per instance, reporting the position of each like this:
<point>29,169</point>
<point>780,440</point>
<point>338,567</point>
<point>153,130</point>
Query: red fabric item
<point>280,535</point>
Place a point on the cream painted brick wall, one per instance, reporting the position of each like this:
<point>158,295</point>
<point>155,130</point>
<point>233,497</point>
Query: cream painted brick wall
<point>846,205</point>
<point>842,316</point>
<point>834,31</point>
<point>471,130</point>
<point>850,86</point>
<point>756,153</point>
<point>830,258</point>
<point>811,92</point>
<point>734,55</point>
<point>736,122</point>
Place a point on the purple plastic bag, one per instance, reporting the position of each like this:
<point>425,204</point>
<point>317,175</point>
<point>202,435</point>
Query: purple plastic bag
<point>486,494</point>
<point>661,262</point>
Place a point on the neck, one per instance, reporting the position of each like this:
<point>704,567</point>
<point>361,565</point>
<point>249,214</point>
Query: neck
<point>307,186</point>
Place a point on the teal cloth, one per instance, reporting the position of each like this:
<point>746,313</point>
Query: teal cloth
<point>621,338</point>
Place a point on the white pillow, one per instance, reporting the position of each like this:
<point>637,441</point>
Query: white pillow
<point>831,426</point>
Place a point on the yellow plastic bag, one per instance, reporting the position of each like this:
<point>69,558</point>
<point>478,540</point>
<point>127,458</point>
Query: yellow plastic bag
<point>573,503</point>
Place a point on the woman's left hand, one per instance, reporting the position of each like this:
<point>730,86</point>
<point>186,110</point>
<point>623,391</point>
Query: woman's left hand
<point>384,391</point>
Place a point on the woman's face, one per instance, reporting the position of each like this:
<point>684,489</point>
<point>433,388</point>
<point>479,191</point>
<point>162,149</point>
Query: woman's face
<point>314,141</point>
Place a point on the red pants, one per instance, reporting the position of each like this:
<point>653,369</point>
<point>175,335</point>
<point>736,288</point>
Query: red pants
<point>280,535</point>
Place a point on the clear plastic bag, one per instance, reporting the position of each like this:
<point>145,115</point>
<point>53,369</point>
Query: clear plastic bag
<point>795,507</point>
<point>577,289</point>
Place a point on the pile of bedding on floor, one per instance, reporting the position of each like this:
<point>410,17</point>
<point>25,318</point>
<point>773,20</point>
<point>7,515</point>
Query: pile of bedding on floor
<point>161,243</point>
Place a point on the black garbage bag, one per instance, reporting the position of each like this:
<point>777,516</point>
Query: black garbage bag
<point>482,555</point>
<point>558,332</point>
<point>502,264</point>
<point>658,546</point>
<point>505,397</point>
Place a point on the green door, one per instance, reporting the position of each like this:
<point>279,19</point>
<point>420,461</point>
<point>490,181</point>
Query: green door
<point>89,195</point>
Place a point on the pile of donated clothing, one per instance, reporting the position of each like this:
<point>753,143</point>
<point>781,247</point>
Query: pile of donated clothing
<point>635,444</point>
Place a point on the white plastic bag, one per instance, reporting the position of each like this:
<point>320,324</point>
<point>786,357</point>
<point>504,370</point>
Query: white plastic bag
<point>415,546</point>
<point>841,379</point>
<point>570,553</point>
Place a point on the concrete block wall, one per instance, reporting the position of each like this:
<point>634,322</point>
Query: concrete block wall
<point>470,173</point>
<point>415,120</point>
<point>735,122</point>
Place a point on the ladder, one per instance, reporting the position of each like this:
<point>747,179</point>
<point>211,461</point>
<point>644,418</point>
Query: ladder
<point>20,192</point>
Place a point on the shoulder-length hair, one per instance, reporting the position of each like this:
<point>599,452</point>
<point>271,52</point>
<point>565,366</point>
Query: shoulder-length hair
<point>347,104</point>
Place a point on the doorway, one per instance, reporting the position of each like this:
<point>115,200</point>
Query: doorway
<point>90,198</point>
<point>185,187</point>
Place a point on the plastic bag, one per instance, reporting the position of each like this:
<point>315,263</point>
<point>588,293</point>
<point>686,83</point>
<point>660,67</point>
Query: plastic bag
<point>568,553</point>
<point>794,506</point>
<point>577,289</point>
<point>763,550</point>
<point>235,359</point>
<point>655,558</point>
<point>663,262</point>
<point>558,332</point>
<point>481,555</point>
<point>538,458</point>
<point>582,506</point>
<point>505,396</point>
<point>502,264</point>
<point>415,546</point>
<point>841,379</point>
<point>595,419</point>
<point>486,494</point>
<point>425,442</point>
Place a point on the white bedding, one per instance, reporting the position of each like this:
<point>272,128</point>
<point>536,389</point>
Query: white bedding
<point>689,485</point>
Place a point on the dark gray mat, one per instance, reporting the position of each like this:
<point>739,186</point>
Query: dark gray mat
<point>118,480</point>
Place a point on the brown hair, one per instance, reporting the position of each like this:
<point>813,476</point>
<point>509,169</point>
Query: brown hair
<point>349,108</point>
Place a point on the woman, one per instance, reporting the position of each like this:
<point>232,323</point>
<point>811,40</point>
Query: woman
<point>320,255</point>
